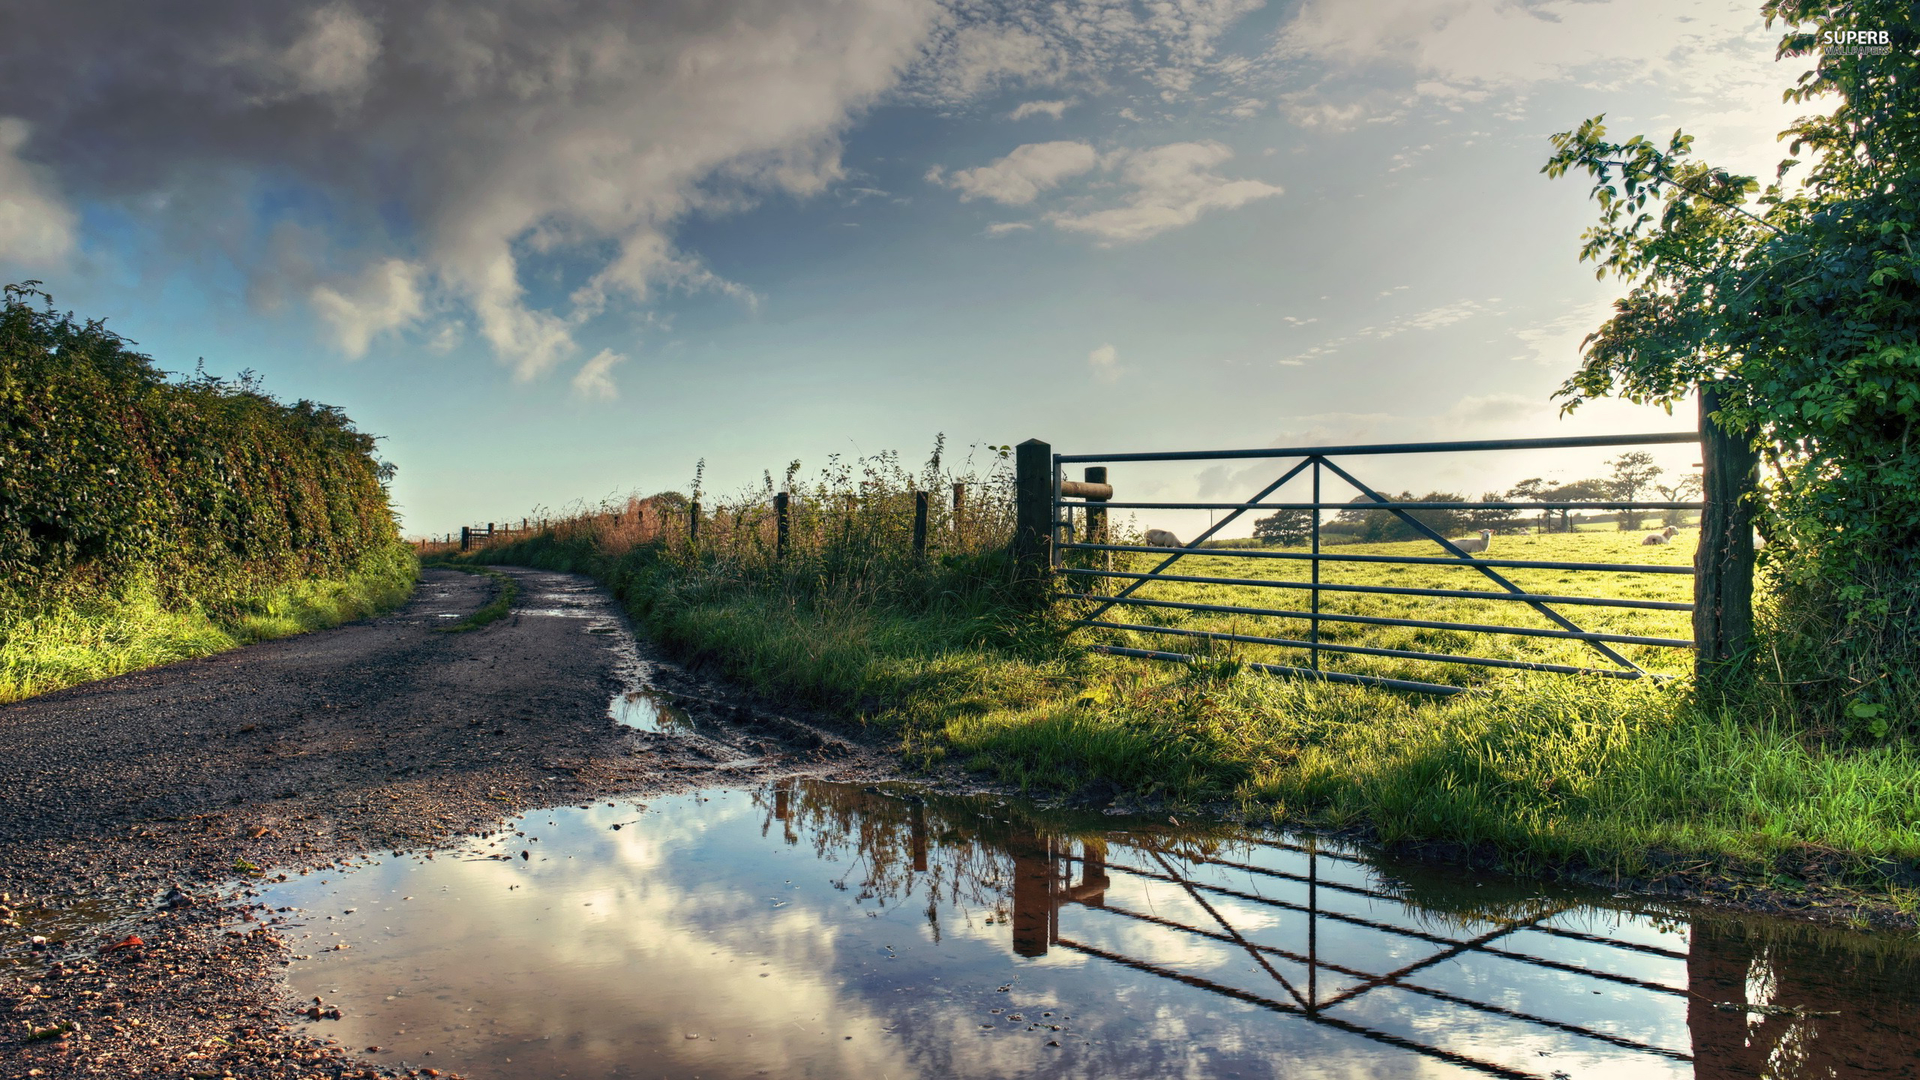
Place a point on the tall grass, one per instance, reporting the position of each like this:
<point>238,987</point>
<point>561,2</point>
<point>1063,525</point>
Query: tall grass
<point>1632,777</point>
<point>97,632</point>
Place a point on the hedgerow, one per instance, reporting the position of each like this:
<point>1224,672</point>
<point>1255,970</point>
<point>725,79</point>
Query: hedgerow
<point>110,468</point>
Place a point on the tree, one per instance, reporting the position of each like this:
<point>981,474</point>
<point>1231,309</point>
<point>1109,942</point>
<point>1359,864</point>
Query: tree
<point>1495,520</point>
<point>1533,489</point>
<point>1384,526</point>
<point>1803,303</point>
<point>1683,489</point>
<point>1633,473</point>
<point>1284,527</point>
<point>1577,491</point>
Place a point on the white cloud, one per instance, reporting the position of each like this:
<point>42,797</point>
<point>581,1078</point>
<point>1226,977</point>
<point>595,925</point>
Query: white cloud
<point>582,132</point>
<point>1314,109</point>
<point>595,377</point>
<point>1002,228</point>
<point>385,297</point>
<point>1557,341</point>
<point>335,55</point>
<point>1476,412</point>
<point>446,338</point>
<point>1172,45</point>
<point>1434,318</point>
<point>1489,54</point>
<point>1105,362</point>
<point>1055,109</point>
<point>983,56</point>
<point>1172,186</point>
<point>36,226</point>
<point>1022,175</point>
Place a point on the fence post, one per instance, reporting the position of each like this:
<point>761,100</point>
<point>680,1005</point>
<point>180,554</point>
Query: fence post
<point>1723,563</point>
<point>693,522</point>
<point>1033,510</point>
<point>466,538</point>
<point>780,501</point>
<point>920,501</point>
<point>1096,515</point>
<point>959,509</point>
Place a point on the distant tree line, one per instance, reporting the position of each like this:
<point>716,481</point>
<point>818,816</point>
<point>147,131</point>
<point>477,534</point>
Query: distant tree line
<point>1634,478</point>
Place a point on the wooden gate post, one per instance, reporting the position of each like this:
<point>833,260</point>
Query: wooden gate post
<point>920,501</point>
<point>1033,510</point>
<point>693,522</point>
<point>466,538</point>
<point>780,501</point>
<point>1096,515</point>
<point>1723,563</point>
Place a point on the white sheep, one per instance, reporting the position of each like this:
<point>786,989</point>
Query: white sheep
<point>1664,536</point>
<point>1470,546</point>
<point>1162,538</point>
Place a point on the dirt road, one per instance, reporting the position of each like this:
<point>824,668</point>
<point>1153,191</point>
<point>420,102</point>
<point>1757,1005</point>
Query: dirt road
<point>127,805</point>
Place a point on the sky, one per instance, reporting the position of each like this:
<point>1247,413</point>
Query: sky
<point>553,252</point>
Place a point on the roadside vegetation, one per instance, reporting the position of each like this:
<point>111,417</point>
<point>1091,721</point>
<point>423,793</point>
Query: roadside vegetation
<point>146,519</point>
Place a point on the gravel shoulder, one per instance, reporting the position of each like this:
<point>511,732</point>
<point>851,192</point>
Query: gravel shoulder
<point>132,807</point>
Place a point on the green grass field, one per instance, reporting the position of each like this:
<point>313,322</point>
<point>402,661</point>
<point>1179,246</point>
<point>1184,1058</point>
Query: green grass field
<point>1612,547</point>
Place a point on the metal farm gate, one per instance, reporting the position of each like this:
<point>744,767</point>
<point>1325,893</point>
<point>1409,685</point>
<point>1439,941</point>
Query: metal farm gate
<point>1057,515</point>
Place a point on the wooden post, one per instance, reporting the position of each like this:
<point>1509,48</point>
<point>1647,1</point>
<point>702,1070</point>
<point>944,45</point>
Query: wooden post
<point>920,501</point>
<point>466,538</point>
<point>1096,515</point>
<point>693,522</point>
<point>1723,563</point>
<point>780,500</point>
<point>1033,510</point>
<point>959,510</point>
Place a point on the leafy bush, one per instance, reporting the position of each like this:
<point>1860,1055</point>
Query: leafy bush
<point>1803,304</point>
<point>212,488</point>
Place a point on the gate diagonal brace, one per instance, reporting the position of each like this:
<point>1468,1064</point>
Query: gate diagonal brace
<point>1196,541</point>
<point>1420,526</point>
<point>1235,934</point>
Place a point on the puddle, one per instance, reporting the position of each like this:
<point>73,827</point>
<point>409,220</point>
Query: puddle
<point>824,930</point>
<point>31,934</point>
<point>648,710</point>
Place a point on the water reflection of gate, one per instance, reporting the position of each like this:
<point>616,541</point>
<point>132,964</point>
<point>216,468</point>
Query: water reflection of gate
<point>1044,883</point>
<point>1738,1000</point>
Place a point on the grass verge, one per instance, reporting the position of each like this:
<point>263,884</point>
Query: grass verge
<point>505,590</point>
<point>99,634</point>
<point>1550,772</point>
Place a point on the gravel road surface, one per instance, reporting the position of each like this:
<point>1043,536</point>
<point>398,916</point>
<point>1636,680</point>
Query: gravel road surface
<point>130,808</point>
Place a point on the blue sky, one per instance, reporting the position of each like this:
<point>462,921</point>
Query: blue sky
<point>554,252</point>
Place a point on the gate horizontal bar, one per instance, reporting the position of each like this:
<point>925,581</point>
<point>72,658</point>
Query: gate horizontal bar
<point>1391,590</point>
<point>1401,931</point>
<point>1412,560</point>
<point>1378,620</point>
<point>1614,505</point>
<point>1363,650</point>
<point>1315,1016</point>
<point>1400,982</point>
<point>1566,443</point>
<point>1294,672</point>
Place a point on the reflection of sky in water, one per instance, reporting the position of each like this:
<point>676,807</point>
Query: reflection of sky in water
<point>826,931</point>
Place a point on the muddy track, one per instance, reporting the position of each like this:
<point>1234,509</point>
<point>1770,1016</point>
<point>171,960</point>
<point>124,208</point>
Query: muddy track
<point>128,806</point>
